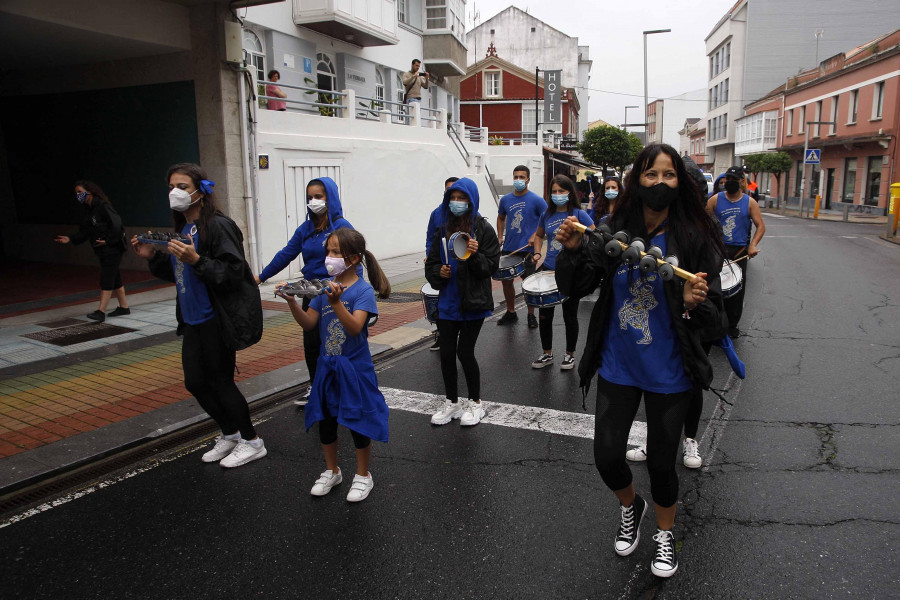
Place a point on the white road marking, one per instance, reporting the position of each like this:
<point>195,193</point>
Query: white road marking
<point>774,216</point>
<point>517,416</point>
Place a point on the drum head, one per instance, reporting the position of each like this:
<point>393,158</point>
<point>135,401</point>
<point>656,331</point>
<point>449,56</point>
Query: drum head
<point>539,283</point>
<point>730,275</point>
<point>511,260</point>
<point>460,243</point>
<point>427,290</point>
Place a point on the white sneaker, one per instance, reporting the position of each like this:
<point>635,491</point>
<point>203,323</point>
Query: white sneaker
<point>243,453</point>
<point>448,412</point>
<point>360,488</point>
<point>325,482</point>
<point>544,360</point>
<point>692,458</point>
<point>665,563</point>
<point>304,399</point>
<point>637,454</point>
<point>222,449</point>
<point>473,415</point>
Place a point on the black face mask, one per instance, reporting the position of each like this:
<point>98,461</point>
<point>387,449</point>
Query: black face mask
<point>657,197</point>
<point>732,186</point>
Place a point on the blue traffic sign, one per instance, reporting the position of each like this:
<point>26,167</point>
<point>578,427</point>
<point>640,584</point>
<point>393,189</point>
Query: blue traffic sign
<point>813,157</point>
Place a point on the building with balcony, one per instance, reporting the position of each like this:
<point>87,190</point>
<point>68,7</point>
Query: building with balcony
<point>684,135</point>
<point>759,44</point>
<point>529,43</point>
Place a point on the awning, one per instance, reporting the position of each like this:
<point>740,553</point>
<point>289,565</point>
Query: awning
<point>576,164</point>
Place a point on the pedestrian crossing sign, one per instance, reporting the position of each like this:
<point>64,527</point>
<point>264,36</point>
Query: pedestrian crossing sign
<point>813,157</point>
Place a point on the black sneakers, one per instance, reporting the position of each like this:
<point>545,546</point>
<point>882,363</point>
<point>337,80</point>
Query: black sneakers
<point>119,312</point>
<point>507,318</point>
<point>532,322</point>
<point>665,563</point>
<point>97,315</point>
<point>629,529</point>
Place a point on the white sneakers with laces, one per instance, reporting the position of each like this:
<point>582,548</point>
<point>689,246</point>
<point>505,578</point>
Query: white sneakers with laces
<point>637,454</point>
<point>692,458</point>
<point>449,411</point>
<point>220,450</point>
<point>665,563</point>
<point>473,415</point>
<point>243,453</point>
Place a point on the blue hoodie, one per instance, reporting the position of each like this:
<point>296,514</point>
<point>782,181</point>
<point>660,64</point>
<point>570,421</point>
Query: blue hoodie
<point>468,187</point>
<point>310,242</point>
<point>716,185</point>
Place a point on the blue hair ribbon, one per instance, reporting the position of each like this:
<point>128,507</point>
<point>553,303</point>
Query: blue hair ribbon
<point>206,186</point>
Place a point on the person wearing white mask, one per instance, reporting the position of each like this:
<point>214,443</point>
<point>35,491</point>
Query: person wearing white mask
<point>324,215</point>
<point>563,203</point>
<point>217,305</point>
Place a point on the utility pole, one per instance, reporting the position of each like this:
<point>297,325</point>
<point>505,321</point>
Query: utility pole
<point>805,152</point>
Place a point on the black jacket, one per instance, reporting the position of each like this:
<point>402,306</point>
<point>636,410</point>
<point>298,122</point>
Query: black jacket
<point>579,272</point>
<point>228,279</point>
<point>473,276</point>
<point>101,221</point>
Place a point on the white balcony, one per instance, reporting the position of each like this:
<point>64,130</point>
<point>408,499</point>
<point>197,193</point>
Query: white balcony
<point>756,133</point>
<point>359,22</point>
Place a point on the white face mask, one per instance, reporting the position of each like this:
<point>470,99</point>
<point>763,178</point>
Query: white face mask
<point>317,206</point>
<point>335,265</point>
<point>180,199</point>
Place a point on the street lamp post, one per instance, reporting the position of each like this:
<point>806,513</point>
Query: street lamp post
<point>805,152</point>
<point>624,125</point>
<point>646,108</point>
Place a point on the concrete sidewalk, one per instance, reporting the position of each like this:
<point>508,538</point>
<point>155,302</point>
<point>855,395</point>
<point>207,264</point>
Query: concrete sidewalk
<point>61,406</point>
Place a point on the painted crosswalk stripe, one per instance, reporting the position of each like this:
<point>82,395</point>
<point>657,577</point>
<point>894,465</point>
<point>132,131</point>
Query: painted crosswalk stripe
<point>533,418</point>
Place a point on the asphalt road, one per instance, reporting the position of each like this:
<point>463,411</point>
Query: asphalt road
<point>794,500</point>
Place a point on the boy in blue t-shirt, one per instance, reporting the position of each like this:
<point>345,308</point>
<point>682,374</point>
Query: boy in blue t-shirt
<point>524,209</point>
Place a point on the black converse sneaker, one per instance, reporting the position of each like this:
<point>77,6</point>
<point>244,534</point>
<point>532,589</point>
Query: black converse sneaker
<point>629,529</point>
<point>665,563</point>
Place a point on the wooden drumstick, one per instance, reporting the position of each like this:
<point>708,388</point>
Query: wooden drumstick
<point>686,275</point>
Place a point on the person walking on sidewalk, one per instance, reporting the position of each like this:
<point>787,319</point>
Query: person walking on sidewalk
<point>523,209</point>
<point>564,203</point>
<point>218,309</point>
<point>465,299</point>
<point>434,224</point>
<point>103,227</point>
<point>324,215</point>
<point>737,211</point>
<point>644,340</point>
<point>345,390</point>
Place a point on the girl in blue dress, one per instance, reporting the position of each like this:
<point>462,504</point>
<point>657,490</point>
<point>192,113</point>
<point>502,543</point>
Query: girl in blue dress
<point>563,203</point>
<point>345,389</point>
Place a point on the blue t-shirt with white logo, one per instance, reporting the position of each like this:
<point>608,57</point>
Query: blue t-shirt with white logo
<point>735,219</point>
<point>193,297</point>
<point>640,347</point>
<point>550,224</point>
<point>523,213</point>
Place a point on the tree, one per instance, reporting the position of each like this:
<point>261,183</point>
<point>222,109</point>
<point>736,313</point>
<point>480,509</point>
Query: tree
<point>775,163</point>
<point>608,146</point>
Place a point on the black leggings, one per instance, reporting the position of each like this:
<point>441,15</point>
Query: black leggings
<point>734,306</point>
<point>209,376</point>
<point>110,278</point>
<point>695,409</point>
<point>458,340</point>
<point>328,432</point>
<point>617,406</point>
<point>570,318</point>
<point>312,342</point>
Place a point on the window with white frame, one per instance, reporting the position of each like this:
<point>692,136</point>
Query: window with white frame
<point>801,127</point>
<point>878,100</point>
<point>254,54</point>
<point>445,15</point>
<point>492,84</point>
<point>835,103</point>
<point>817,127</point>
<point>402,11</point>
<point>720,60</point>
<point>379,89</point>
<point>854,107</point>
<point>790,122</point>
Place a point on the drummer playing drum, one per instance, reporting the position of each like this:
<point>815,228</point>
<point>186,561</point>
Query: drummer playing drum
<point>523,209</point>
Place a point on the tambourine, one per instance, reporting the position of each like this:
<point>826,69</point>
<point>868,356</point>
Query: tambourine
<point>303,288</point>
<point>458,246</point>
<point>162,238</point>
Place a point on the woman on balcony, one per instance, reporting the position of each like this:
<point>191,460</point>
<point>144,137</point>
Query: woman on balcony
<point>274,90</point>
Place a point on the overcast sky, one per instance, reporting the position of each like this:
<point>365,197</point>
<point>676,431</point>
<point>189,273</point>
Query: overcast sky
<point>612,29</point>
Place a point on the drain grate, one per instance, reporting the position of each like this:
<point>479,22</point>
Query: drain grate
<point>76,334</point>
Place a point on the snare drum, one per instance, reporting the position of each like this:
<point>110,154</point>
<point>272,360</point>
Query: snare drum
<point>732,279</point>
<point>511,266</point>
<point>430,303</point>
<point>540,290</point>
<point>458,246</point>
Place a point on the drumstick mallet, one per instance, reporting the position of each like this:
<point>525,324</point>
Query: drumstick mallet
<point>686,275</point>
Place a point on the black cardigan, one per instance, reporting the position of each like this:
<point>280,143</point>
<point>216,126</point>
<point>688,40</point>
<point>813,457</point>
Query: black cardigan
<point>579,272</point>
<point>232,289</point>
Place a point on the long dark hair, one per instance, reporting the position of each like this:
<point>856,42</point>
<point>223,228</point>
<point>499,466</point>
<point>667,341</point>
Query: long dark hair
<point>687,217</point>
<point>208,207</point>
<point>566,184</point>
<point>92,188</point>
<point>601,202</point>
<point>352,243</point>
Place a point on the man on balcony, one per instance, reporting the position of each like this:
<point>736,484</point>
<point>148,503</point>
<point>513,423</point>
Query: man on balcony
<point>413,82</point>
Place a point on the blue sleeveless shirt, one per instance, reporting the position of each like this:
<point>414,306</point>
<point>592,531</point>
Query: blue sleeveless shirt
<point>735,219</point>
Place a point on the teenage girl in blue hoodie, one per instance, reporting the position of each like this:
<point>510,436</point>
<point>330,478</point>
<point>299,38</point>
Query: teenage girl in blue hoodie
<point>465,297</point>
<point>323,216</point>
